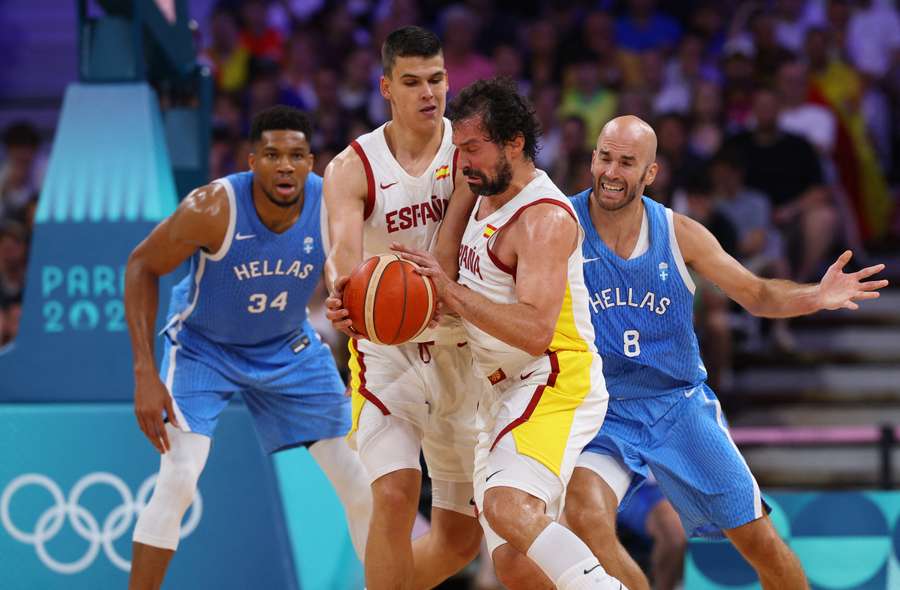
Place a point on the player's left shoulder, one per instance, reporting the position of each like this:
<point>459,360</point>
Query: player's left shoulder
<point>545,218</point>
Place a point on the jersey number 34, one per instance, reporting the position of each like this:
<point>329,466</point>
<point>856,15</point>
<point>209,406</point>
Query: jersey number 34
<point>258,302</point>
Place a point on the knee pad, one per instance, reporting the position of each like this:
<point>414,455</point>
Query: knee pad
<point>159,524</point>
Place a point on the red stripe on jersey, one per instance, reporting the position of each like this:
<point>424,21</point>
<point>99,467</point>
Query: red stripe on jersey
<point>535,399</point>
<point>495,259</point>
<point>370,179</point>
<point>363,391</point>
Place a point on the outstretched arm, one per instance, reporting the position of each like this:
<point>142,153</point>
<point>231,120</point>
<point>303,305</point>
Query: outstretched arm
<point>774,298</point>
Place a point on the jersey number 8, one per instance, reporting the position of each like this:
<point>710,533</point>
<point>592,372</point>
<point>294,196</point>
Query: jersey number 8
<point>632,344</point>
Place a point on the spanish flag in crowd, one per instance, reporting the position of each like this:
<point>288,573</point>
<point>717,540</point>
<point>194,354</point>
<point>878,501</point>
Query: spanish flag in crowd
<point>839,88</point>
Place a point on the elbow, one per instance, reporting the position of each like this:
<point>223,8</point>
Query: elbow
<point>539,342</point>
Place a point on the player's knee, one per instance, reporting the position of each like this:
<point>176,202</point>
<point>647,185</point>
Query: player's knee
<point>178,481</point>
<point>392,497</point>
<point>515,571</point>
<point>466,543</point>
<point>505,515</point>
<point>760,544</point>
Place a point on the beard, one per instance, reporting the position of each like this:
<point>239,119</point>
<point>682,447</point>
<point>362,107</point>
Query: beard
<point>631,192</point>
<point>501,181</point>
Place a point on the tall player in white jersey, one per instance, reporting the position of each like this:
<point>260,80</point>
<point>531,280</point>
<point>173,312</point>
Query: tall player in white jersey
<point>522,298</point>
<point>396,184</point>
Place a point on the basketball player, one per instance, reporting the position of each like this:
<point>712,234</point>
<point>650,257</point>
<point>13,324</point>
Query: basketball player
<point>522,298</point>
<point>394,184</point>
<point>238,324</point>
<point>662,415</point>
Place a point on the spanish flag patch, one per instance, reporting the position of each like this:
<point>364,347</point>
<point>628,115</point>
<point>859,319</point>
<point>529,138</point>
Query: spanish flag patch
<point>442,172</point>
<point>489,230</point>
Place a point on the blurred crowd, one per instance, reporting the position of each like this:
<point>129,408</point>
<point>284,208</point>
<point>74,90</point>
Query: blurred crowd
<point>777,121</point>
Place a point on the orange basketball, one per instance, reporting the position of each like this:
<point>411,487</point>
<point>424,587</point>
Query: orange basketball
<point>388,301</point>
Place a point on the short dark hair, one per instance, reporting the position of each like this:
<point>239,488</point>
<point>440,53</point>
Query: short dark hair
<point>21,134</point>
<point>409,41</point>
<point>504,112</point>
<point>279,118</point>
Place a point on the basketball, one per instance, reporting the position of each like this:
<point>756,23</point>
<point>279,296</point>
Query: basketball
<point>388,301</point>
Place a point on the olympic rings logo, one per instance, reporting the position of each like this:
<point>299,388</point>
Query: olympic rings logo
<point>115,525</point>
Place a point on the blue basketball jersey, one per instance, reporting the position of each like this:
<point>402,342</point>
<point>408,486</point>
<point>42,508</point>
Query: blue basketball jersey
<point>256,287</point>
<point>642,310</point>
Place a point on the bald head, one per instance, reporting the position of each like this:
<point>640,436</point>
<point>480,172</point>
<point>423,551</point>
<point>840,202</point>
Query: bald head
<point>624,162</point>
<point>633,134</point>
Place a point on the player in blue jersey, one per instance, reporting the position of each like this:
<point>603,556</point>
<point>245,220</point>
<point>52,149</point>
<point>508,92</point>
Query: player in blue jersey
<point>662,416</point>
<point>237,323</point>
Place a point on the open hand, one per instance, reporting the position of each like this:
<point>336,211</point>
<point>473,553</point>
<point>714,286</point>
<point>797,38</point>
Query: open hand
<point>838,289</point>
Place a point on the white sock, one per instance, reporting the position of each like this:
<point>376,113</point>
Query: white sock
<point>588,575</point>
<point>346,473</point>
<point>565,558</point>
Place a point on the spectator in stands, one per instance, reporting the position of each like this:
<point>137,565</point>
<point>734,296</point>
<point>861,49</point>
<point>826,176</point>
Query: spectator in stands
<point>13,259</point>
<point>228,113</point>
<point>572,153</point>
<point>261,40</point>
<point>836,84</point>
<point>671,131</point>
<point>588,99</point>
<point>793,18</point>
<point>508,64</point>
<point>706,131</point>
<point>546,101</point>
<point>786,168</point>
<point>644,27</point>
<point>299,70</point>
<point>228,59</point>
<point>873,38</point>
<point>739,83</point>
<point>684,71</point>
<point>543,56</point>
<point>708,22</point>
<point>800,116</point>
<point>768,52</point>
<point>759,245</point>
<point>264,90</point>
<point>11,312</point>
<point>464,64</point>
<point>20,173</point>
<point>355,87</point>
<point>597,42</point>
<point>713,321</point>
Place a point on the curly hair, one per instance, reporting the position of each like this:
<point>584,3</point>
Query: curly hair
<point>505,114</point>
<point>279,118</point>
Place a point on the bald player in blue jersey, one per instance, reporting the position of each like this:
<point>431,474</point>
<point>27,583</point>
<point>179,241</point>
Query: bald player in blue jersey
<point>662,416</point>
<point>237,323</point>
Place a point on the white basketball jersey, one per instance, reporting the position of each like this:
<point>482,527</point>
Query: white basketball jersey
<point>407,209</point>
<point>483,272</point>
<point>399,207</point>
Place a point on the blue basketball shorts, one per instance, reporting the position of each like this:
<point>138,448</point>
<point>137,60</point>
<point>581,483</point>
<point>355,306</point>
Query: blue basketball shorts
<point>291,387</point>
<point>683,438</point>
